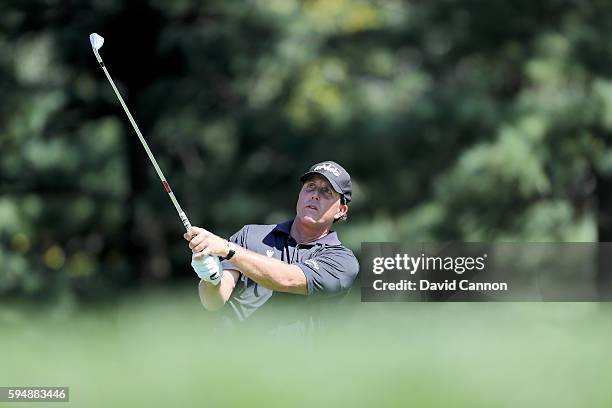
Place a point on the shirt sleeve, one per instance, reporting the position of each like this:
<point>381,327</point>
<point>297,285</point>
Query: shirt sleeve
<point>239,238</point>
<point>331,272</point>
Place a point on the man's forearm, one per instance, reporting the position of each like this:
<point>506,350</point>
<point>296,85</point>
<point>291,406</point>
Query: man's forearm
<point>266,271</point>
<point>210,296</point>
<point>213,297</point>
<point>269,272</point>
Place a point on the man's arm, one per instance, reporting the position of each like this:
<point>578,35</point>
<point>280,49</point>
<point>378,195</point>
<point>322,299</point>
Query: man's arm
<point>213,297</point>
<point>269,272</point>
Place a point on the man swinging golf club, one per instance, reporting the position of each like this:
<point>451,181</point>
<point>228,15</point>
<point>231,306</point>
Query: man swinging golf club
<point>301,256</point>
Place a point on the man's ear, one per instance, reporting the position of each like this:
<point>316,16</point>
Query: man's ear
<point>341,212</point>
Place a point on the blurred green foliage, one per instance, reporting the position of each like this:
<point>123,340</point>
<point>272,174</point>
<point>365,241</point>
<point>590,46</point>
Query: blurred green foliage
<point>160,350</point>
<point>468,120</point>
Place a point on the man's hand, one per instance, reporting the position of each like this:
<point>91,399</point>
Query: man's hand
<point>204,243</point>
<point>204,261</point>
<point>208,268</point>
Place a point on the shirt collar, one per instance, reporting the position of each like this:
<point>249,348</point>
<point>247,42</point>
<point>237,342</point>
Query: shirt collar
<point>330,239</point>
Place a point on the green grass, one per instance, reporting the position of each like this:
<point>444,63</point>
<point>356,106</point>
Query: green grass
<point>160,349</point>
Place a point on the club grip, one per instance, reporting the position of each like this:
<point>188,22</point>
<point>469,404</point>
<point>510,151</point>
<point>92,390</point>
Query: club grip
<point>185,220</point>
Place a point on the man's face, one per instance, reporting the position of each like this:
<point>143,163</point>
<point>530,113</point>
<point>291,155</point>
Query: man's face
<point>318,202</point>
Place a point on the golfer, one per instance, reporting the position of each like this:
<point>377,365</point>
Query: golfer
<point>301,257</point>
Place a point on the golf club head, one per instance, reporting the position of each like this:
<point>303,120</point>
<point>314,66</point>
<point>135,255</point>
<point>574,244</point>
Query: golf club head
<point>96,41</point>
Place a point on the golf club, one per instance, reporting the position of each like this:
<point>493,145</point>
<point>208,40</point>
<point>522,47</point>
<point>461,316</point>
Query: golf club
<point>96,43</point>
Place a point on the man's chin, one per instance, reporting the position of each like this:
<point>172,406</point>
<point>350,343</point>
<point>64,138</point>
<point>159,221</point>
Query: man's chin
<point>308,219</point>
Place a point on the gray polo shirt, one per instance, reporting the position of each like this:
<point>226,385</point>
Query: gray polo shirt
<point>330,269</point>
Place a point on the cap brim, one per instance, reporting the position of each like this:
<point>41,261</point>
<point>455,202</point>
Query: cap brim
<point>335,185</point>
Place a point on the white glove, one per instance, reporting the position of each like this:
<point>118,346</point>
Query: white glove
<point>208,268</point>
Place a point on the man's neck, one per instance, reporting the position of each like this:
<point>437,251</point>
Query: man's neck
<point>303,234</point>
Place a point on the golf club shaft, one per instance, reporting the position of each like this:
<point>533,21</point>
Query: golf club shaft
<point>181,213</point>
